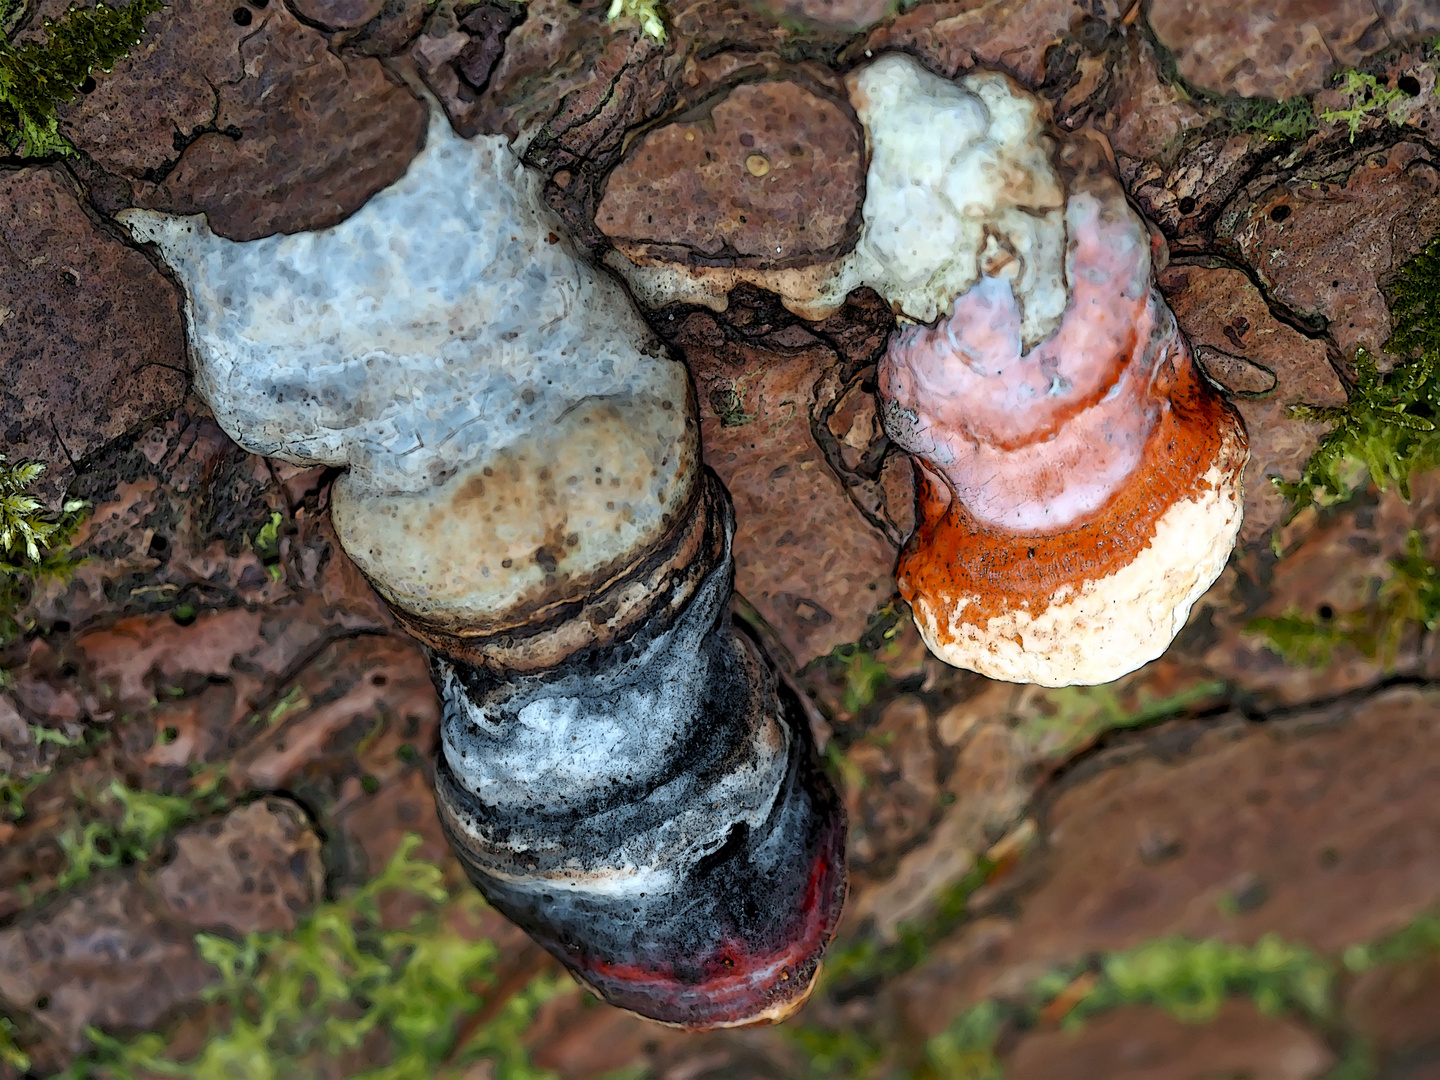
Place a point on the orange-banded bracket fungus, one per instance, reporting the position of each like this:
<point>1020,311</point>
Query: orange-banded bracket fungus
<point>1079,482</point>
<point>621,771</point>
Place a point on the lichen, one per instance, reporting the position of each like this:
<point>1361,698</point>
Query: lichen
<point>36,78</point>
<point>1387,430</point>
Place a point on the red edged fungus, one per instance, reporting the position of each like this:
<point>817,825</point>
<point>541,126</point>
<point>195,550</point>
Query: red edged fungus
<point>1079,481</point>
<point>1075,499</point>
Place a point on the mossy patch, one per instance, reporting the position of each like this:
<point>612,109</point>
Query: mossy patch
<point>1368,97</point>
<point>645,12</point>
<point>145,820</point>
<point>1387,431</point>
<point>36,78</point>
<point>34,544</point>
<point>1409,596</point>
<point>341,994</point>
<point>1288,120</point>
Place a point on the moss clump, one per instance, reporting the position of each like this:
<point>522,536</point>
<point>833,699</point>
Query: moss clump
<point>33,543</point>
<point>647,12</point>
<point>147,819</point>
<point>1368,96</point>
<point>342,988</point>
<point>1410,596</point>
<point>1387,430</point>
<point>1289,120</point>
<point>36,78</point>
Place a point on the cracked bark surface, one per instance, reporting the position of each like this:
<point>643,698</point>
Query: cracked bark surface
<point>1265,797</point>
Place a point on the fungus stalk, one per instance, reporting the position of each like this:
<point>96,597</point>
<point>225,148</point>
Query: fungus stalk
<point>621,772</point>
<point>1079,482</point>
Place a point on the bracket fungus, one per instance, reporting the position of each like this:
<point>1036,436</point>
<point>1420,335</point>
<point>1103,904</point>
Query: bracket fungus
<point>621,771</point>
<point>1079,481</point>
<point>1078,489</point>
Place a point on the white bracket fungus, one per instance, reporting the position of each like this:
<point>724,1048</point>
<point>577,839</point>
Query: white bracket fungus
<point>621,773</point>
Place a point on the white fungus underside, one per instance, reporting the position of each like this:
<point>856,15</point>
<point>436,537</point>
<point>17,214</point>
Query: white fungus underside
<point>1109,626</point>
<point>944,162</point>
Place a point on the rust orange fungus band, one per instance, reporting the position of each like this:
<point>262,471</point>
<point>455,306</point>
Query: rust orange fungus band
<point>1076,497</point>
<point>1196,452</point>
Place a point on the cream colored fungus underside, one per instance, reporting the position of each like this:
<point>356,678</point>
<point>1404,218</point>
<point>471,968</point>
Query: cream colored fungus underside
<point>566,503</point>
<point>1108,626</point>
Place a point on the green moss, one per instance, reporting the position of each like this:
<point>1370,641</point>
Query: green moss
<point>34,545</point>
<point>340,985</point>
<point>1191,979</point>
<point>646,12</point>
<point>146,819</point>
<point>1289,120</point>
<point>1387,431</point>
<point>1368,96</point>
<point>1409,596</point>
<point>966,1049</point>
<point>859,667</point>
<point>10,1053</point>
<point>36,78</point>
<point>1076,715</point>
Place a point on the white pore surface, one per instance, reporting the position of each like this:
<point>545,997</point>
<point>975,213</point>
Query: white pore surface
<point>1108,626</point>
<point>960,183</point>
<point>444,324</point>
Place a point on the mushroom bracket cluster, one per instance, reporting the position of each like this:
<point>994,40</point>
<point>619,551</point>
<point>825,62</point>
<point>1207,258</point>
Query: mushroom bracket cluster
<point>621,769</point>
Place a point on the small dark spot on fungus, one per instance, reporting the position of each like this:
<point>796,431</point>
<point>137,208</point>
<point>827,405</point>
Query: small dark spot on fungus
<point>242,16</point>
<point>1280,213</point>
<point>1326,612</point>
<point>1187,205</point>
<point>1408,85</point>
<point>88,86</point>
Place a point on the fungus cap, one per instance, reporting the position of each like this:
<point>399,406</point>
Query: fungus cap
<point>621,774</point>
<point>1076,499</point>
<point>515,436</point>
